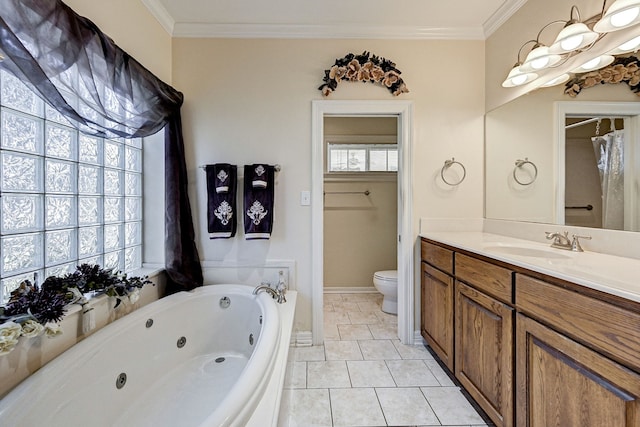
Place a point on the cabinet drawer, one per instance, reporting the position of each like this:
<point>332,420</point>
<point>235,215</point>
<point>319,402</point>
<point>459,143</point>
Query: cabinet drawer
<point>437,256</point>
<point>492,279</point>
<point>608,328</point>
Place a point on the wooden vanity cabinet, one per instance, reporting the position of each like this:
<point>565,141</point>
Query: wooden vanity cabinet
<point>568,370</point>
<point>437,301</point>
<point>484,337</point>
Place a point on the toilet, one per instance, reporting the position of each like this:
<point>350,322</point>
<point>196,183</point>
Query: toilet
<point>386,282</point>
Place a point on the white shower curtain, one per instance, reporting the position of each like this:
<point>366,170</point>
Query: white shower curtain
<point>609,150</point>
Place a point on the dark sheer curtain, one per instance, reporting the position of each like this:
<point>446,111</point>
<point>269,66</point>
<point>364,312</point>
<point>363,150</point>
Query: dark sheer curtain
<point>101,90</point>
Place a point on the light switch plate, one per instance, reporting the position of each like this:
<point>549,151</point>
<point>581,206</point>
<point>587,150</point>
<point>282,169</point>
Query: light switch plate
<point>305,198</point>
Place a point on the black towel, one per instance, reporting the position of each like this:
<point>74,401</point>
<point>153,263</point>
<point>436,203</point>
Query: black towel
<point>222,218</point>
<point>258,201</point>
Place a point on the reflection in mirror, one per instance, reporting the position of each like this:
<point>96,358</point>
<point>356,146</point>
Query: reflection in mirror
<point>533,126</point>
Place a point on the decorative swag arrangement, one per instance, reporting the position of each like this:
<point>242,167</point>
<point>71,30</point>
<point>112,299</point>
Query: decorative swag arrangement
<point>34,310</point>
<point>624,69</point>
<point>363,68</point>
<point>45,43</point>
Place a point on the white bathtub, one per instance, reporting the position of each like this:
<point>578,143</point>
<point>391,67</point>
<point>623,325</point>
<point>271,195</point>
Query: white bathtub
<point>168,385</point>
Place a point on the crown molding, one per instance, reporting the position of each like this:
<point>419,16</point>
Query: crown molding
<point>205,30</point>
<point>160,13</point>
<point>500,16</point>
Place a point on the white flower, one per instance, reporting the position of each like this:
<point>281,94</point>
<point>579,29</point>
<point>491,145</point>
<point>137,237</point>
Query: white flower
<point>52,330</point>
<point>7,344</point>
<point>134,296</point>
<point>10,330</point>
<point>31,328</point>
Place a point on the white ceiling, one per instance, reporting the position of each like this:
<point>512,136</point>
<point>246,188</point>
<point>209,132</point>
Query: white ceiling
<point>388,19</point>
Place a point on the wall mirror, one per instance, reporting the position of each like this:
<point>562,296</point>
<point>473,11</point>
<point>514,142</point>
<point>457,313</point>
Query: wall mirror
<point>542,128</point>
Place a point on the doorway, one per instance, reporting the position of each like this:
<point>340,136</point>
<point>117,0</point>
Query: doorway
<point>403,111</point>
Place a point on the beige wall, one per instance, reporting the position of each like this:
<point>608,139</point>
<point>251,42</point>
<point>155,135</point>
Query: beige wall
<point>250,101</point>
<point>133,28</point>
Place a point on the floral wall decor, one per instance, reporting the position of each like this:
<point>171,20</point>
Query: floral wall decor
<point>624,69</point>
<point>364,68</point>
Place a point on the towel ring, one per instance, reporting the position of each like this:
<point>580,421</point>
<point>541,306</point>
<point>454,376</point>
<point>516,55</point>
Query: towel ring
<point>447,165</point>
<point>520,163</point>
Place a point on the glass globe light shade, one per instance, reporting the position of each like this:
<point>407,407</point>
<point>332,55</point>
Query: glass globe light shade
<point>621,14</point>
<point>573,37</point>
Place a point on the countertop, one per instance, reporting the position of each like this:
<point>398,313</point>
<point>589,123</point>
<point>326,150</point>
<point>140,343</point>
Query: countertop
<point>607,273</point>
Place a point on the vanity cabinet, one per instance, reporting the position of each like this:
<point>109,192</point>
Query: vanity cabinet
<point>531,349</point>
<point>484,336</point>
<point>437,287</point>
<point>574,354</point>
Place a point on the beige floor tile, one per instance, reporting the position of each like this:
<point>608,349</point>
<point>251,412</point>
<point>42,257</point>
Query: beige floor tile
<point>331,331</point>
<point>378,350</point>
<point>451,407</point>
<point>370,306</point>
<point>439,373</point>
<point>342,350</point>
<point>296,375</point>
<point>412,351</point>
<point>304,354</point>
<point>384,331</point>
<point>329,374</point>
<point>362,297</point>
<point>369,373</point>
<point>411,373</point>
<point>332,297</point>
<point>346,306</point>
<point>363,318</point>
<point>354,332</point>
<point>305,408</point>
<point>355,407</point>
<point>405,406</point>
<point>386,317</point>
<point>337,317</point>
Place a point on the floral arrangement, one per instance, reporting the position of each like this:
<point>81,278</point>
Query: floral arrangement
<point>363,68</point>
<point>33,310</point>
<point>623,69</point>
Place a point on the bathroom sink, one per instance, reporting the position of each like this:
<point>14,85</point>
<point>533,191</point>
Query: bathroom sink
<point>526,251</point>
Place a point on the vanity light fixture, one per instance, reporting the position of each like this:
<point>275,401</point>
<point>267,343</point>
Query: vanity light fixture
<point>626,47</point>
<point>594,64</point>
<point>558,80</point>
<point>621,14</point>
<point>574,36</point>
<point>575,39</point>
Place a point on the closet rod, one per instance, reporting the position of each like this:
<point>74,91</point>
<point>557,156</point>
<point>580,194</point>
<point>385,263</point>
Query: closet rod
<point>277,168</point>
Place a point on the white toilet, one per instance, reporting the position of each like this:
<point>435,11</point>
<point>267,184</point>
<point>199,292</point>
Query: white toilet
<point>386,282</point>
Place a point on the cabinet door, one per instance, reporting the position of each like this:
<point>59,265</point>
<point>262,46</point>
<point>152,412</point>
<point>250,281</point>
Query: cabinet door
<point>563,383</point>
<point>437,312</point>
<point>484,352</point>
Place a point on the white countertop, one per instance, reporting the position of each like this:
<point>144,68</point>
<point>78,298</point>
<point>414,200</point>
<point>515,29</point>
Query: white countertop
<point>611,274</point>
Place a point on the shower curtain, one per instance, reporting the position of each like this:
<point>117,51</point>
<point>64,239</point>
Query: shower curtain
<point>609,150</point>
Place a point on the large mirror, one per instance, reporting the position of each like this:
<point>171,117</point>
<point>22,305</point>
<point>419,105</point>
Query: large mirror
<point>546,158</point>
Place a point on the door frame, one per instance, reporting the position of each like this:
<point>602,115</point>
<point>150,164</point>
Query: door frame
<point>403,110</point>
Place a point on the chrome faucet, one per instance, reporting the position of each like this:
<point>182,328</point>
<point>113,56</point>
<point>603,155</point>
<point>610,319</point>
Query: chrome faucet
<point>561,241</point>
<point>275,294</point>
<point>281,287</point>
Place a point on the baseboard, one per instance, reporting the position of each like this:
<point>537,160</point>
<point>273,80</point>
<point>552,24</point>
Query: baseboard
<point>301,339</point>
<point>417,338</point>
<point>350,290</point>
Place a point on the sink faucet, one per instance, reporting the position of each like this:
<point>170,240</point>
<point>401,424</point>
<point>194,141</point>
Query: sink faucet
<point>275,294</point>
<point>561,241</point>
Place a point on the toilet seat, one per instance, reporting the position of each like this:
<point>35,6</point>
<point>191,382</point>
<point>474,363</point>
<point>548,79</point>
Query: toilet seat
<point>386,275</point>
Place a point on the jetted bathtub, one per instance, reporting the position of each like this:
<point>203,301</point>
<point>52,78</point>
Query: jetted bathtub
<point>209,357</point>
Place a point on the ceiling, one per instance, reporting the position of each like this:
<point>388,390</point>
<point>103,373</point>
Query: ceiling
<point>379,19</point>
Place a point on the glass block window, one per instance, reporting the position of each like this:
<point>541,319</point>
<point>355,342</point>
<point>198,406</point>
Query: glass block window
<point>362,157</point>
<point>65,198</point>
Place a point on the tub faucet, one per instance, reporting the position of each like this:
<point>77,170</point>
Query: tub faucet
<point>281,287</point>
<point>276,295</point>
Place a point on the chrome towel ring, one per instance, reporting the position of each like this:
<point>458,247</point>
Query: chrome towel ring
<point>447,165</point>
<point>520,163</point>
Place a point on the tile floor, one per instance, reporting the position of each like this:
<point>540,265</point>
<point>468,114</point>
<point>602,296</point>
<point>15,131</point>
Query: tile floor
<point>364,376</point>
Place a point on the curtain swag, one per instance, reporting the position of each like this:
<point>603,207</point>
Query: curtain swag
<point>101,90</point>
